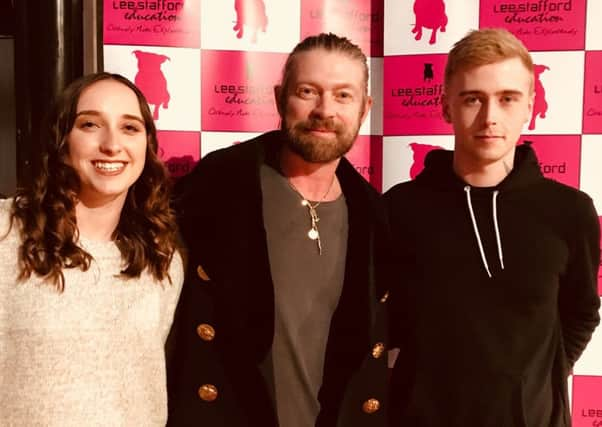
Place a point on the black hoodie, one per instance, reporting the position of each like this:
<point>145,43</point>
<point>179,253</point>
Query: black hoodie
<point>497,296</point>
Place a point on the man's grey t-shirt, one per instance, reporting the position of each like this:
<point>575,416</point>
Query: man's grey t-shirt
<point>307,287</point>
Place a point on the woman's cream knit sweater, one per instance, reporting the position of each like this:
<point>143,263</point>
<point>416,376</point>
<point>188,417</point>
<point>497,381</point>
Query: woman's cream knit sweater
<point>90,356</point>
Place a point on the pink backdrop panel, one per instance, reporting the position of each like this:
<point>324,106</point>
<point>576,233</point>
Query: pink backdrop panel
<point>541,25</point>
<point>237,90</point>
<point>224,86</point>
<point>412,89</point>
<point>179,151</point>
<point>359,20</point>
<point>152,23</point>
<point>367,157</point>
<point>587,410</point>
<point>559,156</point>
<point>592,93</point>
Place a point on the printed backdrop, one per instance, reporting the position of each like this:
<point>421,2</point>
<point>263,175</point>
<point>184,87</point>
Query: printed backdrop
<point>208,69</point>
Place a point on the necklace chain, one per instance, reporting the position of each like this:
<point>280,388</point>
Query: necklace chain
<point>313,233</point>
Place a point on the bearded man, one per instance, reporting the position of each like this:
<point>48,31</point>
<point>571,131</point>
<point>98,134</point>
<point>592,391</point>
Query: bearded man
<point>281,320</point>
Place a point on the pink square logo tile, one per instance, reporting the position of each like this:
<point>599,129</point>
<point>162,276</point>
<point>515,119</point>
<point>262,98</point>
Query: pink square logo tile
<point>237,90</point>
<point>541,24</point>
<point>412,90</point>
<point>587,404</point>
<point>559,156</point>
<point>359,20</point>
<point>180,151</point>
<point>366,155</point>
<point>592,100</point>
<point>152,22</point>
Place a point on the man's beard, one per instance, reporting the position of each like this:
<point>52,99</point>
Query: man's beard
<point>314,149</point>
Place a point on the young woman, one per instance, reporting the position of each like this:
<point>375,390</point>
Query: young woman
<point>89,270</point>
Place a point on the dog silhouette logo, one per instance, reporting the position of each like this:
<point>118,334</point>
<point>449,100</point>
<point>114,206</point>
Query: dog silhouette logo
<point>427,74</point>
<point>151,81</point>
<point>429,14</point>
<point>540,105</point>
<point>419,152</point>
<point>250,13</point>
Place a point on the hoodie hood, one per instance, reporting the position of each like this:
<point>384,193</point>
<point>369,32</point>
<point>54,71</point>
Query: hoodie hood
<point>439,173</point>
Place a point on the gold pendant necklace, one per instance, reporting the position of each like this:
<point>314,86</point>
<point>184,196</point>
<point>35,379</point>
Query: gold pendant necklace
<point>313,233</point>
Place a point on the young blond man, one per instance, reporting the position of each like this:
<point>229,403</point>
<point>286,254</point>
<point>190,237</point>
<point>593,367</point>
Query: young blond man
<point>498,264</point>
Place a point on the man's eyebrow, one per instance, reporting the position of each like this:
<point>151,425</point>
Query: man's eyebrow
<point>501,92</point>
<point>317,84</point>
<point>345,86</point>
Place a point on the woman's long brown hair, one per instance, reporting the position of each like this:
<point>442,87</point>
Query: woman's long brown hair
<point>45,210</point>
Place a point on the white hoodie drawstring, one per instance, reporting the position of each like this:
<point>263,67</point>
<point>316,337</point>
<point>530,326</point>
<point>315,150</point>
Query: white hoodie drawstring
<point>476,230</point>
<point>498,237</point>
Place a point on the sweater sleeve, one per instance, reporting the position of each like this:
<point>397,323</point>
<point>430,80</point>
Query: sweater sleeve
<point>578,298</point>
<point>176,275</point>
<point>5,207</point>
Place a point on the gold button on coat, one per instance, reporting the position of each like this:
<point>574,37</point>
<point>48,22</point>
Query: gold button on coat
<point>370,406</point>
<point>208,392</point>
<point>378,350</point>
<point>202,274</point>
<point>205,331</point>
<point>385,297</point>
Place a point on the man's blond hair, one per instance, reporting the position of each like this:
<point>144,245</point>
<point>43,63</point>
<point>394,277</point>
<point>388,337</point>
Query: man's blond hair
<point>485,46</point>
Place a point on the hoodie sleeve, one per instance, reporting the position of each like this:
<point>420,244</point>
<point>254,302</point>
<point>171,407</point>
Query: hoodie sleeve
<point>578,299</point>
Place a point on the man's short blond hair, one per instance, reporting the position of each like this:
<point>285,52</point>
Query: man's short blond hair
<point>485,46</point>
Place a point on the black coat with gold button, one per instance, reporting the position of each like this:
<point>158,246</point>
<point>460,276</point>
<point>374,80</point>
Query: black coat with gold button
<point>224,323</point>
